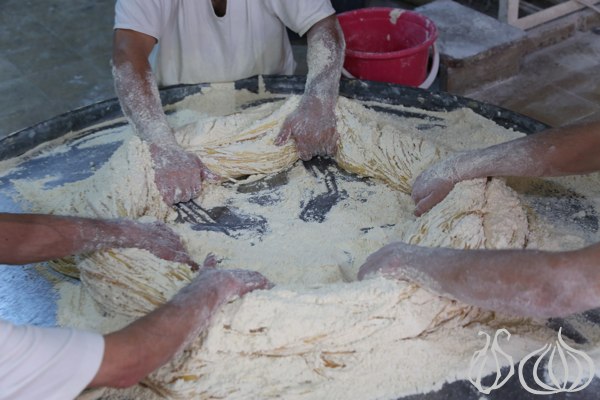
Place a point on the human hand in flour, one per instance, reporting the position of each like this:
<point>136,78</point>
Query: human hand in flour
<point>170,328</point>
<point>232,282</point>
<point>530,283</point>
<point>313,124</point>
<point>158,239</point>
<point>555,152</point>
<point>178,174</point>
<point>27,238</point>
<point>397,260</point>
<point>434,184</point>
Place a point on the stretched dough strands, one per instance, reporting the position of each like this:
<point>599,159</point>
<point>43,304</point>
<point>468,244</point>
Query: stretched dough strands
<point>66,266</point>
<point>468,221</point>
<point>259,157</point>
<point>239,144</point>
<point>500,224</point>
<point>460,218</point>
<point>131,282</point>
<point>238,334</point>
<point>395,156</point>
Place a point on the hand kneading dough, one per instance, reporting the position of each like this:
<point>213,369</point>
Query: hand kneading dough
<point>369,339</point>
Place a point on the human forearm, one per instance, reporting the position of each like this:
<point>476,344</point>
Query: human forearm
<point>325,57</point>
<point>313,123</point>
<point>148,343</point>
<point>178,175</point>
<point>138,349</point>
<point>525,283</point>
<point>136,87</point>
<point>27,238</point>
<point>521,282</point>
<point>557,152</point>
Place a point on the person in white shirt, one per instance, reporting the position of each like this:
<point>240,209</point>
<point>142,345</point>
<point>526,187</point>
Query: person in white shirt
<point>532,283</point>
<point>58,363</point>
<point>166,42</point>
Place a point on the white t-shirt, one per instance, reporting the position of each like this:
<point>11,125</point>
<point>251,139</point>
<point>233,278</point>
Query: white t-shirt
<point>47,363</point>
<point>194,45</point>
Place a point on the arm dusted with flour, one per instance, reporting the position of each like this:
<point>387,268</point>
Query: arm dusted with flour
<point>312,125</point>
<point>531,283</point>
<point>556,152</point>
<point>28,238</point>
<point>140,348</point>
<point>178,174</point>
<point>149,342</point>
<point>524,282</point>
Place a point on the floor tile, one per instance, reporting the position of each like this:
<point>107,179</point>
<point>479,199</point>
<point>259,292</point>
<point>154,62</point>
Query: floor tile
<point>89,31</point>
<point>575,54</point>
<point>20,95</point>
<point>584,83</point>
<point>34,7</point>
<point>13,14</point>
<point>8,70</point>
<point>76,84</point>
<point>24,34</point>
<point>102,64</point>
<point>595,117</point>
<point>89,42</point>
<point>554,106</point>
<point>557,85</point>
<point>23,104</point>
<point>41,55</point>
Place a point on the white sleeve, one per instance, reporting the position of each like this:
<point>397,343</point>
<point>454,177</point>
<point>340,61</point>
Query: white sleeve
<point>300,16</point>
<point>144,16</point>
<point>47,363</point>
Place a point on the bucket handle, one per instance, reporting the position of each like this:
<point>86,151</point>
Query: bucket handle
<point>435,67</point>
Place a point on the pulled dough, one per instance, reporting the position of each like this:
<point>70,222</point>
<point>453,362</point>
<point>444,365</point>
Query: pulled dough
<point>318,333</point>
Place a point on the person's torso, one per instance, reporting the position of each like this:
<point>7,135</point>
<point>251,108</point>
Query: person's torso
<point>196,45</point>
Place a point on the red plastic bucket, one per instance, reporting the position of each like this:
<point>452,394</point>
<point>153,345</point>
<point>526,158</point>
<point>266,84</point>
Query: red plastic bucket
<point>388,45</point>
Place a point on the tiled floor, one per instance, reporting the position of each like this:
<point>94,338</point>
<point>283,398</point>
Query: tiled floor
<point>54,57</point>
<point>557,85</point>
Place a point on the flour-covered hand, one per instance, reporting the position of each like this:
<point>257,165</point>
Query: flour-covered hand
<point>232,283</point>
<point>434,184</point>
<point>384,262</point>
<point>400,260</point>
<point>313,126</point>
<point>178,174</point>
<point>158,239</point>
